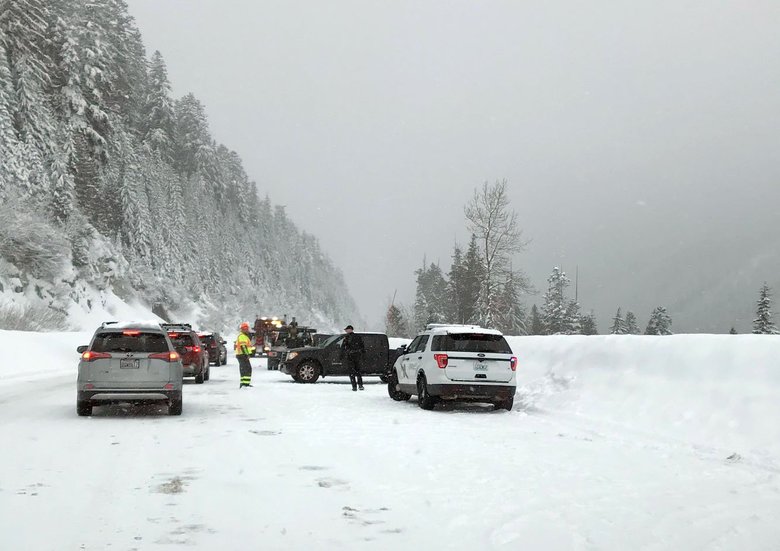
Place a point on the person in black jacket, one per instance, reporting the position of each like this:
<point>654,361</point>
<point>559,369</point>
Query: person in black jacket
<point>352,349</point>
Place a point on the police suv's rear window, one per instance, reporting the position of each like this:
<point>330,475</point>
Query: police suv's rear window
<point>470,342</point>
<point>130,341</point>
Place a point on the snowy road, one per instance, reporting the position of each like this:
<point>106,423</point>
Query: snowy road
<point>287,466</point>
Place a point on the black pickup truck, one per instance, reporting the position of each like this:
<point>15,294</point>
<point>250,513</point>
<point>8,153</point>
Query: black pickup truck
<point>307,365</point>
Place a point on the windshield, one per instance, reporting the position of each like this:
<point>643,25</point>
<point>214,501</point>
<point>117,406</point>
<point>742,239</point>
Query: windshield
<point>124,342</point>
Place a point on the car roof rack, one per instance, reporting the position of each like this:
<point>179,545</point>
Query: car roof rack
<point>166,325</point>
<point>445,325</point>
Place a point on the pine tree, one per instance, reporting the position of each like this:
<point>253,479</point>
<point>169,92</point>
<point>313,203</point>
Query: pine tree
<point>537,324</point>
<point>159,121</point>
<point>431,299</point>
<point>573,318</point>
<point>456,288</point>
<point>632,328</point>
<point>588,324</point>
<point>512,319</point>
<point>472,276</point>
<point>618,324</point>
<point>660,323</point>
<point>556,310</point>
<point>763,324</point>
<point>395,324</point>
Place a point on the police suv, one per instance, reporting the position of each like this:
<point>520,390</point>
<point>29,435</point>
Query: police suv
<point>458,363</point>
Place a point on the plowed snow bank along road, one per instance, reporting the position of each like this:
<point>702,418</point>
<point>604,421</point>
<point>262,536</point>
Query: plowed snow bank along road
<point>287,466</point>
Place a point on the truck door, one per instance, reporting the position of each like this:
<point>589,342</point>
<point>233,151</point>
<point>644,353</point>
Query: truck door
<point>333,363</point>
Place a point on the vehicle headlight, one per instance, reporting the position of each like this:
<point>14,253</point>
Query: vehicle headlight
<point>292,355</point>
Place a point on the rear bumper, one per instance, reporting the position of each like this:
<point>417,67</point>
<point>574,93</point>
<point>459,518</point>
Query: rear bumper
<point>476,393</point>
<point>127,395</point>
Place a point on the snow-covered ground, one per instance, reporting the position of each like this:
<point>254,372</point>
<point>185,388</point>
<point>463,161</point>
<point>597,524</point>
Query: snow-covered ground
<point>615,443</point>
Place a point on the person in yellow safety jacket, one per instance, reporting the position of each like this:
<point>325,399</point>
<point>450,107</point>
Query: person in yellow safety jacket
<point>244,350</point>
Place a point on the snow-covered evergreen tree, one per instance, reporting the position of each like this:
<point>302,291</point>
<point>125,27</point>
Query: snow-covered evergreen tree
<point>536,323</point>
<point>395,324</point>
<point>618,323</point>
<point>632,328</point>
<point>764,323</point>
<point>512,318</point>
<point>556,310</point>
<point>660,322</point>
<point>588,324</point>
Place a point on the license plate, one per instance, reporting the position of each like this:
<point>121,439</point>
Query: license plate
<point>480,367</point>
<point>128,363</point>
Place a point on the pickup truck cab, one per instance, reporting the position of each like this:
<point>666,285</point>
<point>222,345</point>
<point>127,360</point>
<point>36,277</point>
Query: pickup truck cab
<point>307,365</point>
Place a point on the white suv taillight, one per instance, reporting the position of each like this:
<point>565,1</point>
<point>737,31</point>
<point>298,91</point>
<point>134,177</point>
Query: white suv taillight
<point>513,363</point>
<point>441,360</point>
<point>90,356</point>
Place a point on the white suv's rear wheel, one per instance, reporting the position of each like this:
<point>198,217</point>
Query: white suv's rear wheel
<point>424,398</point>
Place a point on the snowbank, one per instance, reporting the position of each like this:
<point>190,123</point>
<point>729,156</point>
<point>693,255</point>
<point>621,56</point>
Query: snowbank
<point>29,356</point>
<point>719,392</point>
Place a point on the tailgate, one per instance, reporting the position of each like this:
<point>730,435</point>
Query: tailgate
<point>131,370</point>
<point>489,368</point>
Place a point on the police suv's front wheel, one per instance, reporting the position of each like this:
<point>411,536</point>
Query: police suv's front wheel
<point>393,391</point>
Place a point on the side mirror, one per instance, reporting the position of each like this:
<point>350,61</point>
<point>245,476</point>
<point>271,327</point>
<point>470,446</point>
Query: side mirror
<point>402,349</point>
<point>82,349</point>
<point>223,342</point>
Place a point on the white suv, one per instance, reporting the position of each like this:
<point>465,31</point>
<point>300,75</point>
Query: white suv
<point>455,362</point>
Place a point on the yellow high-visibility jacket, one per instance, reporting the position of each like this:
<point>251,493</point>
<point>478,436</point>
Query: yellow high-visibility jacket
<point>244,345</point>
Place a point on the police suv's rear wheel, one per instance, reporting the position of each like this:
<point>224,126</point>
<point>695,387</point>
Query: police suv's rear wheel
<point>424,399</point>
<point>393,391</point>
<point>308,372</point>
<point>83,408</point>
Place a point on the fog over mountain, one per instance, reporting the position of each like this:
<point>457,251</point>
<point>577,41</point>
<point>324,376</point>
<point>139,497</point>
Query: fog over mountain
<point>640,139</point>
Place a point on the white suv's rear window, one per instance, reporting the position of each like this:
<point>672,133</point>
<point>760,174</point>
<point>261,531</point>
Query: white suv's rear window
<point>471,342</point>
<point>130,341</point>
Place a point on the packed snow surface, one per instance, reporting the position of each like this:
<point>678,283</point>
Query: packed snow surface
<point>615,443</point>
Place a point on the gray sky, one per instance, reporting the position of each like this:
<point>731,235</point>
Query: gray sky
<point>640,139</point>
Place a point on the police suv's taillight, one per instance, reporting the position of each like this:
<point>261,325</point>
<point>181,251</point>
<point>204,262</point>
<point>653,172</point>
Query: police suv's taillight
<point>90,356</point>
<point>166,356</point>
<point>513,363</point>
<point>441,360</point>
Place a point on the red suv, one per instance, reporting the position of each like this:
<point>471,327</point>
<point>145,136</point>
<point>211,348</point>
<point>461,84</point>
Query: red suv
<point>194,356</point>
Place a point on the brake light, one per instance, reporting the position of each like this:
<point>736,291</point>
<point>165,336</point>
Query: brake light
<point>173,335</point>
<point>166,356</point>
<point>513,363</point>
<point>441,360</point>
<point>131,333</point>
<point>90,356</point>
<point>195,349</point>
<point>169,386</point>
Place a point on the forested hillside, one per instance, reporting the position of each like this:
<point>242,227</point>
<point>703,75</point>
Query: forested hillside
<point>109,183</point>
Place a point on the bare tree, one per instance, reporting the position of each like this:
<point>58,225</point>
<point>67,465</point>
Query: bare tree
<point>497,229</point>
